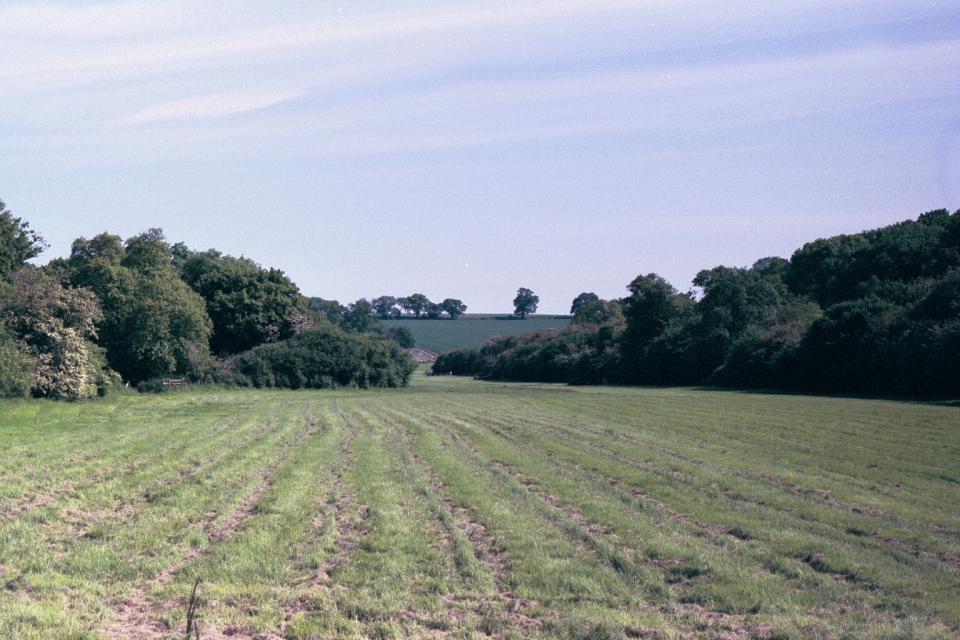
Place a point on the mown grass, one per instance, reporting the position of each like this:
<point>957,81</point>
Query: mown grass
<point>469,332</point>
<point>468,509</point>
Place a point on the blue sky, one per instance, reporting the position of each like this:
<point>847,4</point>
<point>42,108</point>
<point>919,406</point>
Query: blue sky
<point>467,149</point>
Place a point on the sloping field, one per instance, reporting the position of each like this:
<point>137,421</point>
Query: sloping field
<point>465,509</point>
<point>441,336</point>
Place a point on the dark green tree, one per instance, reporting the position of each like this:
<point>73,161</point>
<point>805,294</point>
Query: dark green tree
<point>582,300</point>
<point>732,299</point>
<point>16,366</point>
<point>416,303</point>
<point>874,312</point>
<point>849,347</point>
<point>330,310</point>
<point>385,307</point>
<point>325,359</point>
<point>652,304</point>
<point>18,242</point>
<point>765,354</point>
<point>453,308</point>
<point>359,318</point>
<point>401,335</point>
<point>247,304</point>
<point>525,303</point>
<point>588,308</point>
<point>153,323</point>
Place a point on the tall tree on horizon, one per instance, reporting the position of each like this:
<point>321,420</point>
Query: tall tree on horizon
<point>525,303</point>
<point>417,303</point>
<point>453,307</point>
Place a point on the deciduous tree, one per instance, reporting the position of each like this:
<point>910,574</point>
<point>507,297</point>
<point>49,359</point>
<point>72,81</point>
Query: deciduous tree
<point>417,303</point>
<point>55,324</point>
<point>401,335</point>
<point>453,308</point>
<point>588,308</point>
<point>359,317</point>
<point>18,242</point>
<point>385,307</point>
<point>154,324</point>
<point>525,303</point>
<point>331,310</point>
<point>247,304</point>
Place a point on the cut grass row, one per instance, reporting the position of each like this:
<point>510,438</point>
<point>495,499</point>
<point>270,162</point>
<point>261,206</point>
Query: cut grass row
<point>466,509</point>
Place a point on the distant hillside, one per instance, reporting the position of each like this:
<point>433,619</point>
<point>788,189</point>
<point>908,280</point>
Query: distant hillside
<point>471,331</point>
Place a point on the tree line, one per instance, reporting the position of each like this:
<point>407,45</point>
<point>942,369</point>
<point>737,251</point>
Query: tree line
<point>131,311</point>
<point>876,312</point>
<point>363,312</point>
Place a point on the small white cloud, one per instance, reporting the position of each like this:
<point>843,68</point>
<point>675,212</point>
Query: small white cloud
<point>214,105</point>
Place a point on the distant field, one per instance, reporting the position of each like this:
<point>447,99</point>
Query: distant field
<point>470,331</point>
<point>466,509</point>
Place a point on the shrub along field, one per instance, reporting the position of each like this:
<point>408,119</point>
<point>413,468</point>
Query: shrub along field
<point>466,509</point>
<point>471,331</point>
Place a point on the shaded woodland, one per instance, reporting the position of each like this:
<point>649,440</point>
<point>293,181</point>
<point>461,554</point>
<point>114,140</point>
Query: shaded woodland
<point>130,312</point>
<point>876,312</point>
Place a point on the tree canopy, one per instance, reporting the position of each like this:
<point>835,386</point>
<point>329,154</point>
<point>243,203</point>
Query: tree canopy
<point>153,323</point>
<point>525,302</point>
<point>359,317</point>
<point>144,309</point>
<point>401,335</point>
<point>325,359</point>
<point>453,307</point>
<point>875,312</point>
<point>416,303</point>
<point>330,310</point>
<point>18,242</point>
<point>55,326</point>
<point>589,308</point>
<point>247,304</point>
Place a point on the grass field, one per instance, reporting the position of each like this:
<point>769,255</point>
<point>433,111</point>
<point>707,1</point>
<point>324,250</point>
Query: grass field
<point>464,509</point>
<point>471,331</point>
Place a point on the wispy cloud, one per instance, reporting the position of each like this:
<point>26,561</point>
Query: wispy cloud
<point>356,120</point>
<point>93,22</point>
<point>190,41</point>
<point>696,97</point>
<point>60,43</point>
<point>429,77</point>
<point>209,106</point>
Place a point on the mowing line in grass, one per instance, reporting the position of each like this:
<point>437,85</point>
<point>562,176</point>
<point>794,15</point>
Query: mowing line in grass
<point>138,616</point>
<point>526,448</point>
<point>560,570</point>
<point>467,509</point>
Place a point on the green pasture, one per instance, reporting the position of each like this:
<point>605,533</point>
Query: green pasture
<point>466,509</point>
<point>442,335</point>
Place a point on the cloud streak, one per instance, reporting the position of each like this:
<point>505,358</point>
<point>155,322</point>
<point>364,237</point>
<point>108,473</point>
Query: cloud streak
<point>209,106</point>
<point>665,123</point>
<point>597,103</point>
<point>46,21</point>
<point>429,78</point>
<point>138,21</point>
